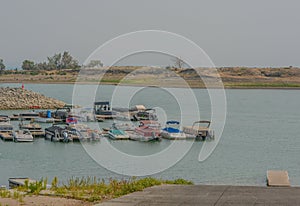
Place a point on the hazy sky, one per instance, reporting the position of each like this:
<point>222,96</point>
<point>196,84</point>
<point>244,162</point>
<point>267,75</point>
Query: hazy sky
<point>232,32</point>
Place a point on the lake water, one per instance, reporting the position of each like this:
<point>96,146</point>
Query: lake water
<point>261,133</point>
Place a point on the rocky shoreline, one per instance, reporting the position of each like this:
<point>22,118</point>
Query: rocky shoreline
<point>18,98</point>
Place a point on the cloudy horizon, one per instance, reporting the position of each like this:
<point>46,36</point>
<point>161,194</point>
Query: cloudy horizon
<point>233,33</point>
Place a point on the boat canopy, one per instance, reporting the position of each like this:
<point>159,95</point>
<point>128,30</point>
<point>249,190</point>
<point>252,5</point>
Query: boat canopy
<point>117,132</point>
<point>102,103</point>
<point>172,122</point>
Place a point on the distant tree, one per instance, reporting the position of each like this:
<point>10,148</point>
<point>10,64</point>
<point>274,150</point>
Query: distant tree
<point>178,62</point>
<point>2,65</point>
<point>62,61</point>
<point>68,62</point>
<point>95,63</point>
<point>41,66</point>
<point>28,65</point>
<point>54,62</point>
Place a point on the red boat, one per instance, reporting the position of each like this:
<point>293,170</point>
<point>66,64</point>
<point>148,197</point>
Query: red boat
<point>149,128</point>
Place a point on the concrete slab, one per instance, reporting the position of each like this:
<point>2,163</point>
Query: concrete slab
<point>278,178</point>
<point>209,195</point>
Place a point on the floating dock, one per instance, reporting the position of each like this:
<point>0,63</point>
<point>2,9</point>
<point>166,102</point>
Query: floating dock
<point>278,178</point>
<point>17,182</point>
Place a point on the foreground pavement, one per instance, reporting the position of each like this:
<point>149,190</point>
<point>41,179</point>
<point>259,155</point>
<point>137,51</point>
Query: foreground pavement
<point>210,195</point>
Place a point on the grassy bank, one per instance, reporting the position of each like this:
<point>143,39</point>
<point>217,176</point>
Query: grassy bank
<point>87,189</point>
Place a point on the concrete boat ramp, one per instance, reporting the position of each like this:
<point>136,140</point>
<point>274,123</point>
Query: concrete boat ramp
<point>180,195</point>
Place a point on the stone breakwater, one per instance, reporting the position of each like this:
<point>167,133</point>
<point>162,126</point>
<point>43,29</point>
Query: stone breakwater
<point>18,98</point>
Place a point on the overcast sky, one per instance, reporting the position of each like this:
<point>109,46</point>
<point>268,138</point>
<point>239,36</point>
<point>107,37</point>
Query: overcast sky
<point>231,32</point>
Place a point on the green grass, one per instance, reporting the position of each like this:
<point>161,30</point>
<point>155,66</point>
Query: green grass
<point>93,189</point>
<point>12,194</point>
<point>262,85</point>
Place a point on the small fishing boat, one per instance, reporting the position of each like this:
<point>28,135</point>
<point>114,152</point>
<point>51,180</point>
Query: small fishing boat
<point>148,114</point>
<point>126,114</point>
<point>172,131</point>
<point>200,130</point>
<point>34,128</point>
<point>141,138</point>
<point>126,126</point>
<point>148,129</point>
<point>82,132</point>
<point>58,133</point>
<point>117,134</point>
<point>23,136</point>
<point>61,113</point>
<point>6,129</point>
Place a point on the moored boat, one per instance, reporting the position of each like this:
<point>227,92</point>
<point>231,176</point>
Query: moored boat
<point>58,133</point>
<point>117,134</point>
<point>172,131</point>
<point>82,132</point>
<point>6,130</point>
<point>23,136</point>
<point>200,130</point>
<point>34,128</point>
<point>148,114</point>
<point>102,110</point>
<point>126,126</point>
<point>148,129</point>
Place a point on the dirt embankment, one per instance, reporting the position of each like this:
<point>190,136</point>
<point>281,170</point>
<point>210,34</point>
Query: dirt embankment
<point>232,77</point>
<point>18,98</point>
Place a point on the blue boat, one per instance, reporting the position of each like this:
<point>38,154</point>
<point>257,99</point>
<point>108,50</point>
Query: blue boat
<point>172,131</point>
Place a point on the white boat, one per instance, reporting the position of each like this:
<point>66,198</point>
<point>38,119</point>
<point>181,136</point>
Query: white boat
<point>126,126</point>
<point>81,132</point>
<point>34,128</point>
<point>172,131</point>
<point>6,130</point>
<point>141,138</point>
<point>23,136</point>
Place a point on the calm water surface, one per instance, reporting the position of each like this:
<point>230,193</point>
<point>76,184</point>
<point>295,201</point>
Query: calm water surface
<point>261,133</point>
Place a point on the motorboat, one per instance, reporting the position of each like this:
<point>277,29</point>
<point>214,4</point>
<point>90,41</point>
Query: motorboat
<point>34,128</point>
<point>117,134</point>
<point>126,126</point>
<point>58,133</point>
<point>172,131</point>
<point>23,136</point>
<point>149,128</point>
<point>6,130</point>
<point>82,132</point>
<point>148,114</point>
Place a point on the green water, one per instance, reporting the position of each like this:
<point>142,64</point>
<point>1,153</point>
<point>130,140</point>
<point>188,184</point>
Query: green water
<point>261,133</point>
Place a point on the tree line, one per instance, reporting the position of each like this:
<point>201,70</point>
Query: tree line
<point>58,61</point>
